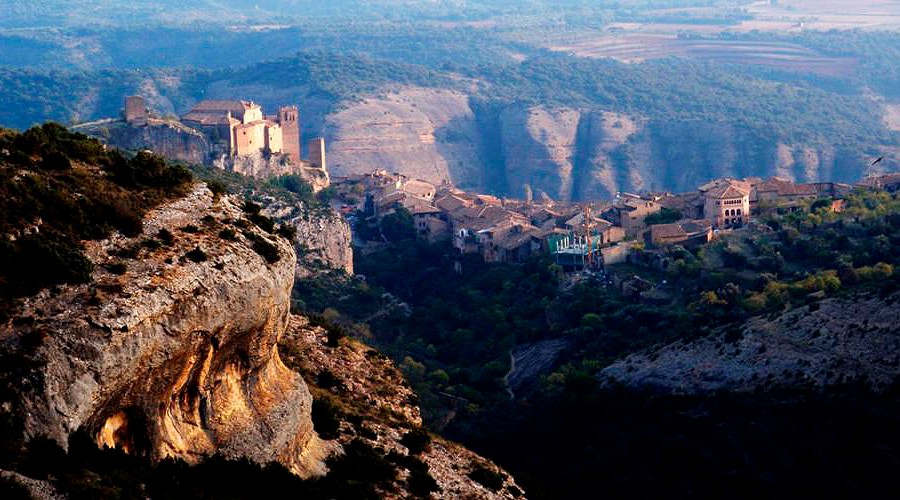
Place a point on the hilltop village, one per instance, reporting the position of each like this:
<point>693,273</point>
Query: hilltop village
<point>236,135</point>
<point>582,235</point>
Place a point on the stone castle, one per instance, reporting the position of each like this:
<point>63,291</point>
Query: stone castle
<point>238,137</point>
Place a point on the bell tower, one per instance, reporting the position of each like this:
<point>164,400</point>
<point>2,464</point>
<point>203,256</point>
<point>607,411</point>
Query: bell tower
<point>289,119</point>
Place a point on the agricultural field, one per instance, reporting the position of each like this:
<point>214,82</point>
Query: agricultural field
<point>636,47</point>
<point>823,15</point>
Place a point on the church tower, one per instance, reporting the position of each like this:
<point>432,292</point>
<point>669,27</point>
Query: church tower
<point>289,119</point>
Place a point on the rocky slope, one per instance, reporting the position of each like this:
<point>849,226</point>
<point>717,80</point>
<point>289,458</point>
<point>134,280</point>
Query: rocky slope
<point>376,404</point>
<point>174,353</point>
<point>834,341</point>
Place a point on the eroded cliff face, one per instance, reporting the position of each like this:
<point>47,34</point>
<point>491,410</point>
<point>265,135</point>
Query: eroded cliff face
<point>538,147</point>
<point>323,241</point>
<point>569,154</point>
<point>176,355</point>
<point>429,134</point>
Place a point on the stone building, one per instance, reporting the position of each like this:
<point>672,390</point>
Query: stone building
<point>629,212</point>
<point>317,153</point>
<point>239,128</point>
<point>727,203</point>
<point>289,119</point>
<point>690,233</point>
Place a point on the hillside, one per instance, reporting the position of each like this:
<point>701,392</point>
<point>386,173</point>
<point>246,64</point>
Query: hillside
<point>143,318</point>
<point>828,343</point>
<point>666,125</point>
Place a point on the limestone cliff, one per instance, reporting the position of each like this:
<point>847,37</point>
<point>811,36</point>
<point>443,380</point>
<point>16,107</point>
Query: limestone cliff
<point>567,153</point>
<point>429,134</point>
<point>166,138</point>
<point>538,146</point>
<point>174,353</point>
<point>837,340</point>
<point>323,241</point>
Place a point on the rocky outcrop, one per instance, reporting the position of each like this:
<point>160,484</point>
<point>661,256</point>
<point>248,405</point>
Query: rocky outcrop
<point>834,341</point>
<point>529,361</point>
<point>323,241</point>
<point>262,166</point>
<point>428,134</point>
<point>166,138</point>
<point>175,352</point>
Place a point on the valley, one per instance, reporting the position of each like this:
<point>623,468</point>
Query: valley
<point>558,249</point>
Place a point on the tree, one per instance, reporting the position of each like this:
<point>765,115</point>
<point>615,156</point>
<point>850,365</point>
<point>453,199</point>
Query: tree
<point>399,225</point>
<point>664,216</point>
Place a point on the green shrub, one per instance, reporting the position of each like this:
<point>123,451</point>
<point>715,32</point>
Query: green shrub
<point>335,334</point>
<point>197,255</point>
<point>420,482</point>
<point>218,188</point>
<point>488,478</point>
<point>151,244</point>
<point>228,234</point>
<point>417,441</point>
<point>326,417</point>
<point>664,216</point>
<point>360,470</point>
<point>117,268</point>
<point>55,160</point>
<point>326,379</point>
<point>264,248</point>
<point>165,237</point>
<point>39,260</point>
<point>251,208</point>
<point>287,231</point>
<point>263,222</point>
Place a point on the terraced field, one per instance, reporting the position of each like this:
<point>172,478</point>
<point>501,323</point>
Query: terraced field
<point>637,47</point>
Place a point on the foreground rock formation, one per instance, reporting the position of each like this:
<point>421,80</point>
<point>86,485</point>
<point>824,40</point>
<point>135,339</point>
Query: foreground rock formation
<point>175,354</point>
<point>174,350</point>
<point>835,341</point>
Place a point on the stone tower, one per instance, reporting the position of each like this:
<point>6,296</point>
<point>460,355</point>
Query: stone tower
<point>317,153</point>
<point>289,119</point>
<point>135,110</point>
